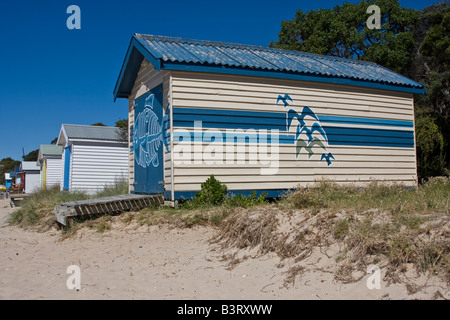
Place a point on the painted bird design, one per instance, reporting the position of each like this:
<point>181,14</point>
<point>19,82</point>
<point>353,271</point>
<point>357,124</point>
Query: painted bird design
<point>327,157</point>
<point>315,134</point>
<point>284,99</point>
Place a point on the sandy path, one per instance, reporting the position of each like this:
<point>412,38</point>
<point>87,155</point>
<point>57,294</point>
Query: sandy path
<point>156,263</point>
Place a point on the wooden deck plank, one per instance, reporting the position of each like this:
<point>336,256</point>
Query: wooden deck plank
<point>106,205</point>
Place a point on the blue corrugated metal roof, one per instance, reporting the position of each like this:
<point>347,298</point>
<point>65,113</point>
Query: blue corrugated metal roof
<point>173,53</point>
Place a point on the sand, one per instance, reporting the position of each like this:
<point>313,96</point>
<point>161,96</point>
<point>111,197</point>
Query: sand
<point>160,262</point>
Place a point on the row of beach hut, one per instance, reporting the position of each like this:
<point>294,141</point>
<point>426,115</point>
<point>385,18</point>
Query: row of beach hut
<point>261,119</point>
<point>257,118</point>
<point>84,158</point>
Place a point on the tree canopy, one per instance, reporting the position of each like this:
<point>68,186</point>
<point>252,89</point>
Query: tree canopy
<point>413,43</point>
<point>31,156</point>
<point>343,32</point>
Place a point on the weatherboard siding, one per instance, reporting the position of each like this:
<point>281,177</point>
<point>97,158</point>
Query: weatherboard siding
<point>53,172</point>
<point>95,166</point>
<point>245,93</point>
<point>378,146</point>
<point>32,181</point>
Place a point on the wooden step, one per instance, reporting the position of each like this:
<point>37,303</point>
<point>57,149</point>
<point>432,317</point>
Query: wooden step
<point>105,205</point>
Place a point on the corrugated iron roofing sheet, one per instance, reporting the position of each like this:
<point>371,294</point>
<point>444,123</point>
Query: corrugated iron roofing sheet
<point>74,131</point>
<point>50,150</point>
<point>170,49</point>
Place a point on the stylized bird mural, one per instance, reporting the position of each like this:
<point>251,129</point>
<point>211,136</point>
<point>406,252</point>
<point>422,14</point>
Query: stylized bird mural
<point>284,99</point>
<point>308,146</point>
<point>315,134</point>
<point>327,157</point>
<point>148,135</point>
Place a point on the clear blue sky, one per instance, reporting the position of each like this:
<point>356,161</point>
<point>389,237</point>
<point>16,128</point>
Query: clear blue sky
<point>51,75</point>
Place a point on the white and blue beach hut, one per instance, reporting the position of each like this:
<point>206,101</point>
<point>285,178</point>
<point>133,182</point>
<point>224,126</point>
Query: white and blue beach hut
<point>260,118</point>
<point>92,157</point>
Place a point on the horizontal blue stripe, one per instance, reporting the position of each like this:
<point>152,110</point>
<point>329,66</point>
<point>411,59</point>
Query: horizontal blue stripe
<point>367,132</point>
<point>186,195</point>
<point>237,119</point>
<point>234,137</point>
<point>266,120</point>
<point>366,121</point>
<point>336,136</point>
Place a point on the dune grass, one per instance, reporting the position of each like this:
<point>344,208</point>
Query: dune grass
<point>433,195</point>
<point>37,209</point>
<point>378,223</point>
<point>383,224</point>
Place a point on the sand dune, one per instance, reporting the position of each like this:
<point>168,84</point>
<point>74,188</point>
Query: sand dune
<point>159,262</point>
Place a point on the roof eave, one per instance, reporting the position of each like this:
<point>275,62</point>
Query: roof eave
<point>177,66</point>
<point>105,141</point>
<point>130,67</point>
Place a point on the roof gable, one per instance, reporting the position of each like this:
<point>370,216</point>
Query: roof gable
<point>48,150</point>
<point>169,53</point>
<point>83,132</point>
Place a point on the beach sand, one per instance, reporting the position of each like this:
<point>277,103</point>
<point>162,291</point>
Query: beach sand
<point>162,262</point>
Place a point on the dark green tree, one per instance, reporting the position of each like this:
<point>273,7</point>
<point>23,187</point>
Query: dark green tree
<point>7,165</point>
<point>31,156</point>
<point>123,125</point>
<point>431,66</point>
<point>414,43</point>
<point>342,32</point>
<point>430,145</point>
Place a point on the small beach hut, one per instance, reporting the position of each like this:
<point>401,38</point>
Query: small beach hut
<point>92,157</point>
<point>49,162</point>
<point>29,176</point>
<point>261,119</point>
<point>8,180</point>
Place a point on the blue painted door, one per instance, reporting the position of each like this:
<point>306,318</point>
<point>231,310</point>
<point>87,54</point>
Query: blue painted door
<point>147,136</point>
<point>66,180</point>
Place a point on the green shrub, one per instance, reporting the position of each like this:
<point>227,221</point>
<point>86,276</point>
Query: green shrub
<point>212,193</point>
<point>430,146</point>
<point>242,201</point>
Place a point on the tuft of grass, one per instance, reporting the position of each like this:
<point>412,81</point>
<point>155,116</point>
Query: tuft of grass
<point>119,187</point>
<point>401,227</point>
<point>432,196</point>
<point>240,200</point>
<point>179,217</point>
<point>37,208</point>
<point>103,224</point>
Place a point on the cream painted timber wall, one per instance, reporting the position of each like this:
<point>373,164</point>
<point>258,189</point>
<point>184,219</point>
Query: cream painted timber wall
<point>354,164</point>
